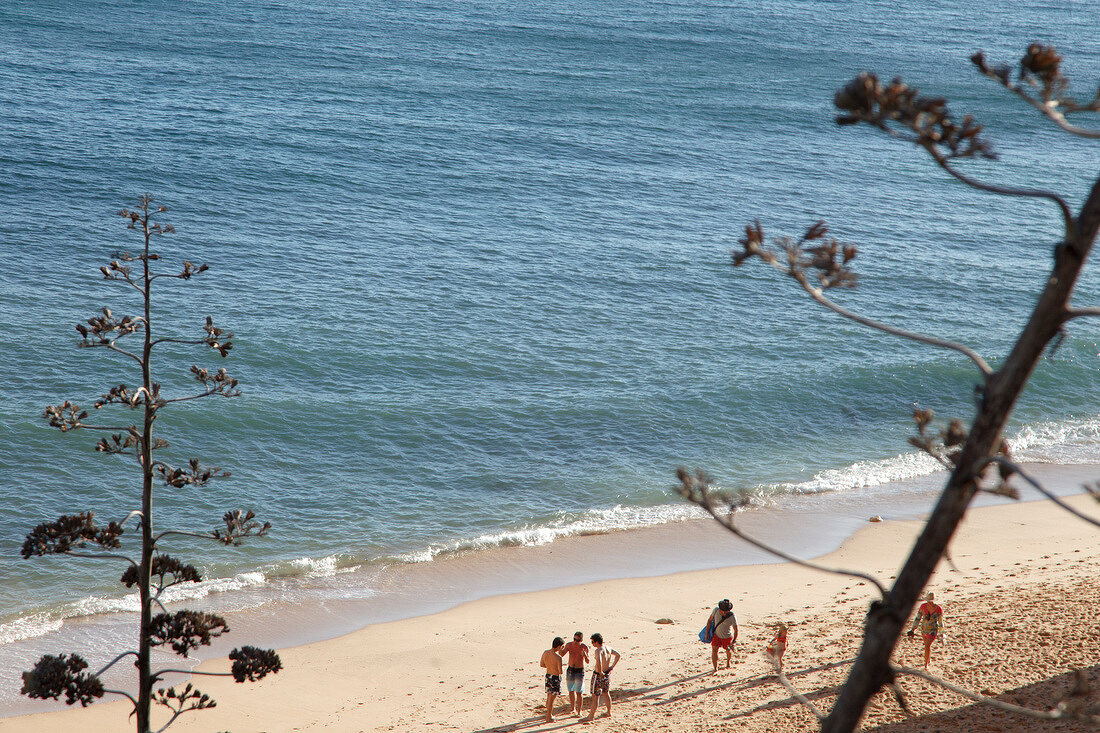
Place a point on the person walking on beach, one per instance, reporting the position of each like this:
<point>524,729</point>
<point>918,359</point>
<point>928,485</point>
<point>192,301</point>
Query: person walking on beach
<point>604,660</point>
<point>929,619</point>
<point>574,672</point>
<point>724,633</point>
<point>551,660</point>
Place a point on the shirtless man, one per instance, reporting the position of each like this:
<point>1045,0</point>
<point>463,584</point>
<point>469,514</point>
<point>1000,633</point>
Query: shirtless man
<point>601,676</point>
<point>574,672</point>
<point>551,660</point>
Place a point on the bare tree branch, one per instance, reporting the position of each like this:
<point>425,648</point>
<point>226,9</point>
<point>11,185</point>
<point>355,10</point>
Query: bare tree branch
<point>111,347</point>
<point>183,534</point>
<point>819,296</point>
<point>124,694</point>
<point>1063,207</point>
<point>114,661</point>
<point>1015,468</point>
<point>1041,68</point>
<point>829,262</point>
<point>696,489</point>
<point>1058,713</point>
<point>161,672</point>
<point>101,555</point>
<point>783,680</point>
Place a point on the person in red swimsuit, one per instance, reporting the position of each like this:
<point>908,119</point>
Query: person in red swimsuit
<point>929,619</point>
<point>778,644</point>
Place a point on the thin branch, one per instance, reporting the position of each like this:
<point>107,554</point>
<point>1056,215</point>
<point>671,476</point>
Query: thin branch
<point>1048,109</point>
<point>124,694</point>
<point>899,697</point>
<point>192,397</point>
<point>1000,460</point>
<point>703,500</point>
<point>110,428</point>
<point>175,714</point>
<point>189,342</point>
<point>182,533</point>
<point>1057,713</point>
<point>131,515</point>
<point>113,661</point>
<point>1067,215</point>
<point>124,352</point>
<point>101,556</point>
<point>783,680</point>
<point>1058,118</point>
<point>160,672</point>
<point>817,295</point>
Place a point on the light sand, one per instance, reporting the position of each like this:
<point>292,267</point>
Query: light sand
<point>1022,611</point>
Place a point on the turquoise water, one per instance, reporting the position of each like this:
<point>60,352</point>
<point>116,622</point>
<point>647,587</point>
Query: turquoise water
<point>476,256</point>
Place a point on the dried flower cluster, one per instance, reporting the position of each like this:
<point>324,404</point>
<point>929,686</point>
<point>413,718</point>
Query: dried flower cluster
<point>102,326</point>
<point>53,677</point>
<point>812,258</point>
<point>68,533</point>
<point>897,105</point>
<point>183,700</point>
<point>186,630</point>
<point>217,338</point>
<point>167,569</point>
<point>193,475</point>
<point>250,663</point>
<point>217,383</point>
<point>946,445</point>
<point>65,417</point>
<point>1040,68</point>
<point>240,524</point>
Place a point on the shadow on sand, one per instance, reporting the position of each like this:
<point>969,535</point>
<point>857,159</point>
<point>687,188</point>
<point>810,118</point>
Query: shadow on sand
<point>654,693</point>
<point>1042,695</point>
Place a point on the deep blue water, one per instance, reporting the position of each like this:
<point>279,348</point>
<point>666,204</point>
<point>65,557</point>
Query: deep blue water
<point>476,257</point>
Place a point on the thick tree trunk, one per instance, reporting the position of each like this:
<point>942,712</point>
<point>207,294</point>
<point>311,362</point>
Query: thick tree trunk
<point>885,620</point>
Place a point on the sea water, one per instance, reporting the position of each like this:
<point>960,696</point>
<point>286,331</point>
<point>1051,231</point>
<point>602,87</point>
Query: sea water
<point>476,257</point>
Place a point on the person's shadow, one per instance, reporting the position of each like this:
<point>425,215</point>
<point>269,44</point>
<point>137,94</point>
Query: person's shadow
<point>538,723</point>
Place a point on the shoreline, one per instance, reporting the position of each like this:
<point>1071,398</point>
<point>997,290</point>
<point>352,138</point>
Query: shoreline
<point>480,642</point>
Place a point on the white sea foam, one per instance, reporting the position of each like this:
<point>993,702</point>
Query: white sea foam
<point>594,521</point>
<point>191,591</point>
<point>28,627</point>
<point>1069,441</point>
<point>864,474</point>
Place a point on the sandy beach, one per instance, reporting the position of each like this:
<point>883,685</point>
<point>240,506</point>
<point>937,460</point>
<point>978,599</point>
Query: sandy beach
<point>1022,611</point>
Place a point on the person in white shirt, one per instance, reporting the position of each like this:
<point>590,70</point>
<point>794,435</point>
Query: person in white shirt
<point>724,635</point>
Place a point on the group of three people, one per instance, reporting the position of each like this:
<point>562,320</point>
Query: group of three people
<point>604,659</point>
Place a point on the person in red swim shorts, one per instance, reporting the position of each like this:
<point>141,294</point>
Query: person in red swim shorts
<point>724,635</point>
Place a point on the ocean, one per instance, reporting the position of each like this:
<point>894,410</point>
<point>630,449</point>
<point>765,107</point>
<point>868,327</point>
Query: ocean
<point>477,260</point>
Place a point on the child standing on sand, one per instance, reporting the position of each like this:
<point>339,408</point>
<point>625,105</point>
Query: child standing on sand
<point>552,662</point>
<point>778,644</point>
